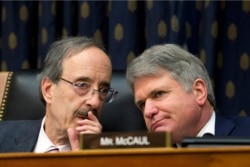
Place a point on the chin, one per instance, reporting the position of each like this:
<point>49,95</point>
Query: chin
<point>161,129</point>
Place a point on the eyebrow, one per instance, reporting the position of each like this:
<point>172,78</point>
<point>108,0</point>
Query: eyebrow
<point>106,84</point>
<point>87,79</point>
<point>150,94</point>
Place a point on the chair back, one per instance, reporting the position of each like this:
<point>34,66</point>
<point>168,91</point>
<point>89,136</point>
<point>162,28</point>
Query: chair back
<point>20,100</point>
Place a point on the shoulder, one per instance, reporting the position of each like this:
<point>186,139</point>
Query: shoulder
<point>239,119</point>
<point>18,135</point>
<point>232,125</point>
<point>14,122</point>
<point>20,125</point>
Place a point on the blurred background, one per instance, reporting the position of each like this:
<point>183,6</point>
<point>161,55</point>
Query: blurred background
<point>218,32</point>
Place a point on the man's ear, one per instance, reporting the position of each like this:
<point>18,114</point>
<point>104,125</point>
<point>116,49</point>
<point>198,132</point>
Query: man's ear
<point>46,86</point>
<point>200,91</point>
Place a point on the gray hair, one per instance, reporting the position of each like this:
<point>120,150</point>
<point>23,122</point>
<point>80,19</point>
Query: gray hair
<point>182,65</point>
<point>59,50</point>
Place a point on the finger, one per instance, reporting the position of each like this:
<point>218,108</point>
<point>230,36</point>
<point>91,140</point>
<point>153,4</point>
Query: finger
<point>89,122</point>
<point>88,128</point>
<point>89,132</point>
<point>73,139</point>
<point>92,116</point>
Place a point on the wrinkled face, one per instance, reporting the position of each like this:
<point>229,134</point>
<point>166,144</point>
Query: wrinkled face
<point>66,102</point>
<point>166,106</point>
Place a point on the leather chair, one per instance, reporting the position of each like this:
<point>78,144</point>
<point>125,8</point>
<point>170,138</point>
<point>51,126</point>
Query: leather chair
<point>19,99</point>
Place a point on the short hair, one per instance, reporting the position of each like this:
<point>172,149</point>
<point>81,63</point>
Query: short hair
<point>182,65</point>
<point>58,51</point>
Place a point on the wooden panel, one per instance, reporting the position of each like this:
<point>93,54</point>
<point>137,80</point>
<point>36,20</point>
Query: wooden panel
<point>205,157</point>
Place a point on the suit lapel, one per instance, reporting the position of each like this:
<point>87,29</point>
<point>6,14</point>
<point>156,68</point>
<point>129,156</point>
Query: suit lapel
<point>25,139</point>
<point>24,145</point>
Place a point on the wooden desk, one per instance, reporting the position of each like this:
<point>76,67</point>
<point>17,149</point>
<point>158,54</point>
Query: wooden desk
<point>155,157</point>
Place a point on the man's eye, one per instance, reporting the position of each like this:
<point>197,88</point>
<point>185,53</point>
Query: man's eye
<point>158,94</point>
<point>82,84</point>
<point>104,90</point>
<point>141,106</point>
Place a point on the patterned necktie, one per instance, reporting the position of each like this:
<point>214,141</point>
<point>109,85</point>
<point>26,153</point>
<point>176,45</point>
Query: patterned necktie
<point>52,149</point>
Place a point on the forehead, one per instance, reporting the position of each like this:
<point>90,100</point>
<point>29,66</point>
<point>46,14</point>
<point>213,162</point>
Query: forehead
<point>89,62</point>
<point>143,86</point>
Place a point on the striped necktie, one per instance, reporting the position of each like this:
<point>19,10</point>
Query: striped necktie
<point>52,149</point>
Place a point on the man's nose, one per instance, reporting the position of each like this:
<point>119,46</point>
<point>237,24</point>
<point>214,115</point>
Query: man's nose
<point>149,108</point>
<point>93,98</point>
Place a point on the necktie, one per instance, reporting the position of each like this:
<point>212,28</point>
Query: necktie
<point>52,149</point>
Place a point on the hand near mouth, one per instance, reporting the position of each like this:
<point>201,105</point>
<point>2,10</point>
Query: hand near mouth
<point>87,124</point>
<point>84,114</point>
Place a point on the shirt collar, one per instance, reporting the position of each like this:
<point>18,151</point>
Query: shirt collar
<point>44,143</point>
<point>209,126</point>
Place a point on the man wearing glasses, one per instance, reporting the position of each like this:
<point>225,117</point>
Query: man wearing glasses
<point>74,85</point>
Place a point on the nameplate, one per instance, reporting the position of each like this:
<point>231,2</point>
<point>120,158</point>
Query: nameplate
<point>112,140</point>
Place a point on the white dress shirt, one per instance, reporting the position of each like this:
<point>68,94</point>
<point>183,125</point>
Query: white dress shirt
<point>44,143</point>
<point>209,127</point>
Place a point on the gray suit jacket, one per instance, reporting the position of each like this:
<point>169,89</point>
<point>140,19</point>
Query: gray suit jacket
<point>19,136</point>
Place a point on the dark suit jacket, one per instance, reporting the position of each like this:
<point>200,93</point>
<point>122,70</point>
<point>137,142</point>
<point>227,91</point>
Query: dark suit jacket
<point>19,136</point>
<point>232,126</point>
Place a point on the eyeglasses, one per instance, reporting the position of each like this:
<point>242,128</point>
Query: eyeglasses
<point>83,88</point>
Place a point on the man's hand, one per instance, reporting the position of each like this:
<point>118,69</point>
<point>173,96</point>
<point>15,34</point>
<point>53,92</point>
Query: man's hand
<point>73,139</point>
<point>84,126</point>
<point>90,125</point>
